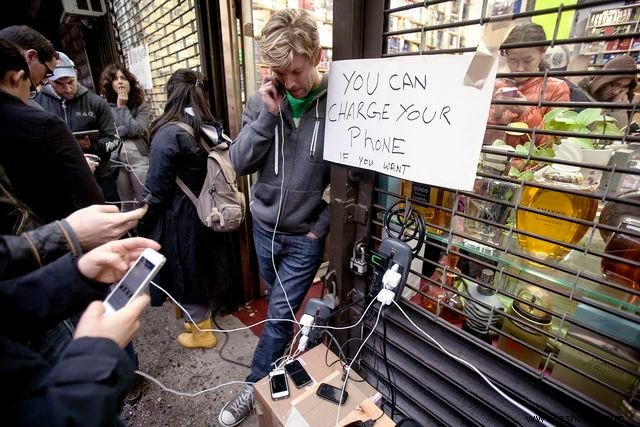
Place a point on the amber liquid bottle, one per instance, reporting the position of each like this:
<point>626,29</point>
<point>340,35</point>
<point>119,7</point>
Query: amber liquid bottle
<point>557,202</point>
<point>624,246</point>
<point>422,193</point>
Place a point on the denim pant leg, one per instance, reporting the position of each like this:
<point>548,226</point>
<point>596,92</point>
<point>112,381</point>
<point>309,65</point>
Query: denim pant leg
<point>297,260</point>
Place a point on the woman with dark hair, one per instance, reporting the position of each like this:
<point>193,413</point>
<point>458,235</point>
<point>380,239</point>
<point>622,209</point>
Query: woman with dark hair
<point>131,113</point>
<point>525,59</point>
<point>199,263</point>
<point>618,88</point>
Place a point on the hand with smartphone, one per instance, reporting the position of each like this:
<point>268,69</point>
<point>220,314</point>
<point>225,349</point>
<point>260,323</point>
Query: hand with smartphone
<point>98,224</point>
<point>272,92</point>
<point>134,281</point>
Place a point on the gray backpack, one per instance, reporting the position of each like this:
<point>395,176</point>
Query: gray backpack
<point>220,205</point>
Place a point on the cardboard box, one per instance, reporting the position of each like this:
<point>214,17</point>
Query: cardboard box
<point>303,408</point>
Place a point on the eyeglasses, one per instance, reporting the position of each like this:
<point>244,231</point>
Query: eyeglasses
<point>48,73</point>
<point>32,89</point>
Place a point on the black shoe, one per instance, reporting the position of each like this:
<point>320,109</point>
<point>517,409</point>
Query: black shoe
<point>136,390</point>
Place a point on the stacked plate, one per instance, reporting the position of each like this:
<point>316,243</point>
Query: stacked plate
<point>478,317</point>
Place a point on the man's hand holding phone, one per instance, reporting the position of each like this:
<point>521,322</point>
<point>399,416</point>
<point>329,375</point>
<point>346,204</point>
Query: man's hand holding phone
<point>272,92</point>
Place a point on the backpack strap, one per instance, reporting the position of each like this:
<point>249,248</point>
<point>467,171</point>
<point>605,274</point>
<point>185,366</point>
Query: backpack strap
<point>179,181</point>
<point>189,129</point>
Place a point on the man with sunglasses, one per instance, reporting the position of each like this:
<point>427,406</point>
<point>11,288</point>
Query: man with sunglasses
<point>38,52</point>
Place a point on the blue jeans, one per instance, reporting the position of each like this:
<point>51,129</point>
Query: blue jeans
<point>297,259</point>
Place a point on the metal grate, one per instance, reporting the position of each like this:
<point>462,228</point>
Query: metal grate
<point>573,366</point>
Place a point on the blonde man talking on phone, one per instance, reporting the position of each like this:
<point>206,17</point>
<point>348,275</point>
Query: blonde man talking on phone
<point>282,138</point>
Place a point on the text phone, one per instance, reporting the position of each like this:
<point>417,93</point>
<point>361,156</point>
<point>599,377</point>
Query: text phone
<point>278,384</point>
<point>297,373</point>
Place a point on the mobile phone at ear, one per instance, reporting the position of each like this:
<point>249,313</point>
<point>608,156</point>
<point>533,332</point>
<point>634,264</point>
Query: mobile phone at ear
<point>297,373</point>
<point>279,86</point>
<point>134,281</point>
<point>279,385</point>
<point>334,394</point>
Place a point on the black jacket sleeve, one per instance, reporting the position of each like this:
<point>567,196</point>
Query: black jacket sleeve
<point>71,167</point>
<point>45,297</point>
<point>22,254</point>
<point>84,388</point>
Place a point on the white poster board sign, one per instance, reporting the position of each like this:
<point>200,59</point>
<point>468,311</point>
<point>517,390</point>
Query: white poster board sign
<point>408,117</point>
<point>139,65</point>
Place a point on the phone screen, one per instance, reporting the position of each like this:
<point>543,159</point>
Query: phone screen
<point>278,384</point>
<point>332,393</point>
<point>297,373</point>
<point>130,283</point>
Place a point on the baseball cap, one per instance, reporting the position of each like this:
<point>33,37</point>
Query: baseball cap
<point>64,67</point>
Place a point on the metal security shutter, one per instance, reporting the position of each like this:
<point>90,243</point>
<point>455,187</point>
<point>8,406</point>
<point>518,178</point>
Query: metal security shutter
<point>424,382</point>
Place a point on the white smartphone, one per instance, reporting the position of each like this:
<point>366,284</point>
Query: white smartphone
<point>279,384</point>
<point>134,282</point>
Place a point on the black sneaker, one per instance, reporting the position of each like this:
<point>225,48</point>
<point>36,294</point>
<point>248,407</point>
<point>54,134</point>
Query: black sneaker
<point>237,409</point>
<point>135,392</point>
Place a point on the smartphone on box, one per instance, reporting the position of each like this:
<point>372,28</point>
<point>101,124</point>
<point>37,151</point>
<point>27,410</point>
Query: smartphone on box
<point>279,385</point>
<point>297,373</point>
<point>332,393</point>
<point>134,281</point>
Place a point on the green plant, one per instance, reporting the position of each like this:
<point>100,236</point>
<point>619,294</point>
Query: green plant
<point>588,121</point>
<point>524,168</point>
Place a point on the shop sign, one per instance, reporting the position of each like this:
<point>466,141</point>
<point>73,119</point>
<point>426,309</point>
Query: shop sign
<point>408,117</point>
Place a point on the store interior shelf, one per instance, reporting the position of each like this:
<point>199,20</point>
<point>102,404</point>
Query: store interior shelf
<point>565,283</point>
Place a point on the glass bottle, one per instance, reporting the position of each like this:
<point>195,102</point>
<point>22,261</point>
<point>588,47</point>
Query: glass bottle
<point>528,323</point>
<point>440,298</point>
<point>478,317</point>
<point>435,196</point>
<point>625,246</point>
<point>557,202</point>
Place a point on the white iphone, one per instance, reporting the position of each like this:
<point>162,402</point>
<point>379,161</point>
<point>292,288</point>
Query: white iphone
<point>279,384</point>
<point>134,282</point>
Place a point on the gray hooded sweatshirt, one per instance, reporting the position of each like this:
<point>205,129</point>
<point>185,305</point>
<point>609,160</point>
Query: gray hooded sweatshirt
<point>289,163</point>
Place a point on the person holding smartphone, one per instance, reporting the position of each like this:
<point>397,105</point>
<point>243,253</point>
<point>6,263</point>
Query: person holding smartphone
<point>282,139</point>
<point>88,381</point>
<point>526,59</point>
<point>83,110</point>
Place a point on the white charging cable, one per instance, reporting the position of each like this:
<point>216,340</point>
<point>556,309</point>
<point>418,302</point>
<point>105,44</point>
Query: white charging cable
<point>471,366</point>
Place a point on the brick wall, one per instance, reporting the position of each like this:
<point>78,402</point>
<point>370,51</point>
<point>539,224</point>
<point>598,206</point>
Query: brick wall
<point>168,27</point>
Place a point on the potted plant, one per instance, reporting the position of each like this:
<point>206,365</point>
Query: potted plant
<point>589,121</point>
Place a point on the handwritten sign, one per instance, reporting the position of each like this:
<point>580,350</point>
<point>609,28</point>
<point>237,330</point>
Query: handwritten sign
<point>408,117</point>
<point>139,65</point>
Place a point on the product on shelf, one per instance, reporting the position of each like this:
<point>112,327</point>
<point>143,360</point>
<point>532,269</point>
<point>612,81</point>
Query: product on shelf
<point>530,318</point>
<point>558,202</point>
<point>599,355</point>
<point>443,199</point>
<point>626,246</point>
<point>483,308</point>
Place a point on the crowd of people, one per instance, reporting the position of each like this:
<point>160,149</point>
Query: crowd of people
<point>69,157</point>
<point>82,172</point>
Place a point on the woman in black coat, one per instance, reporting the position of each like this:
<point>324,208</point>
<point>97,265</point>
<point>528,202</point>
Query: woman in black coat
<point>200,262</point>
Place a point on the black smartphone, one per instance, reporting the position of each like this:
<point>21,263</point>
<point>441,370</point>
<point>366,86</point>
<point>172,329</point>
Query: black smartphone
<point>93,134</point>
<point>279,86</point>
<point>329,392</point>
<point>297,373</point>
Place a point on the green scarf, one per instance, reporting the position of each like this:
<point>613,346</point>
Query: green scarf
<point>299,105</point>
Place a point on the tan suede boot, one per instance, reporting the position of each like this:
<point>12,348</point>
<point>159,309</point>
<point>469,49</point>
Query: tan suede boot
<point>196,338</point>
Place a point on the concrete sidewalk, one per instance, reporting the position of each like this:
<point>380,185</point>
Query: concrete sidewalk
<point>187,371</point>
